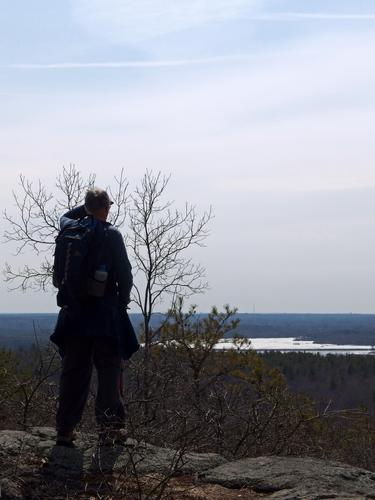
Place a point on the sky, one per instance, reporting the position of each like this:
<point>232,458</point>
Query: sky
<point>262,109</point>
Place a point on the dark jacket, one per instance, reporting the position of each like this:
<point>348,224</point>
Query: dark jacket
<point>103,316</point>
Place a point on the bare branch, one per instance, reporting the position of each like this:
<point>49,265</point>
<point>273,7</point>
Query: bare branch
<point>121,200</point>
<point>72,187</point>
<point>37,223</point>
<point>29,277</point>
<point>159,239</point>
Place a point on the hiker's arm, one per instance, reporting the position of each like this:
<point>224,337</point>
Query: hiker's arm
<point>122,269</point>
<point>75,213</point>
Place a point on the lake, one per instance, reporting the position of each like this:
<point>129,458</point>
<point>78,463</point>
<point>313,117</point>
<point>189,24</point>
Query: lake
<point>291,344</point>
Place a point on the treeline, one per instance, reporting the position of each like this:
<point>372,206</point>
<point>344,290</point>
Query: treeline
<point>343,381</point>
<point>18,330</point>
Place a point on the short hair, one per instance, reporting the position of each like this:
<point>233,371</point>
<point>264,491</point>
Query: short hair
<point>96,199</point>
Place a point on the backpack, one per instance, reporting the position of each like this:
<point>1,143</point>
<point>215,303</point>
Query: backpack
<point>77,253</point>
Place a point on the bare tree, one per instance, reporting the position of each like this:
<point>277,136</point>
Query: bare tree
<point>36,223</point>
<point>159,238</point>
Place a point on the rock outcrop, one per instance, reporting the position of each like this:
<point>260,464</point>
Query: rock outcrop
<point>32,467</point>
<point>294,477</point>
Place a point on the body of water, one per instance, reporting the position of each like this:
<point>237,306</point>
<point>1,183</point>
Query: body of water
<point>290,344</point>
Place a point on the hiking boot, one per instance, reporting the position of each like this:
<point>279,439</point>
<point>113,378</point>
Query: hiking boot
<point>66,440</point>
<point>111,437</point>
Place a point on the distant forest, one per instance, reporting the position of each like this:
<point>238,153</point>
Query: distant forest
<point>18,330</point>
<point>345,381</point>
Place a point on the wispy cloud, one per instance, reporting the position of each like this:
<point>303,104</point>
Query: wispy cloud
<point>132,64</point>
<point>137,20</point>
<point>301,120</point>
<point>312,16</point>
<point>134,21</point>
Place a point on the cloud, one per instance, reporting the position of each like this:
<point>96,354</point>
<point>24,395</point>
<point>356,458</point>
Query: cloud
<point>312,16</point>
<point>300,118</point>
<point>133,64</point>
<point>133,21</point>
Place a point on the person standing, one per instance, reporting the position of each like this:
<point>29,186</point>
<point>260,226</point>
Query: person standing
<point>98,333</point>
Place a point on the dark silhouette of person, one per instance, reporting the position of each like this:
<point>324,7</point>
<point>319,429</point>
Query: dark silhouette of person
<point>99,335</point>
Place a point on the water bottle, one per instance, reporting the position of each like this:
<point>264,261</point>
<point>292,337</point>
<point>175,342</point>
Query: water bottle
<point>98,284</point>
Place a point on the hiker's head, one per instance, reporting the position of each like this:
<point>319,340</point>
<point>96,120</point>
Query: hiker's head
<point>97,203</point>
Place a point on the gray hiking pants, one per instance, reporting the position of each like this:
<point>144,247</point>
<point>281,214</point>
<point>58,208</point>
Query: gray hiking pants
<point>80,355</point>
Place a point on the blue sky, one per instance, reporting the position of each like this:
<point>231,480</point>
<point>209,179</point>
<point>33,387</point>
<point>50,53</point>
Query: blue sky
<point>264,109</point>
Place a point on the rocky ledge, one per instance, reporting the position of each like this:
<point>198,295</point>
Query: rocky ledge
<point>32,467</point>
